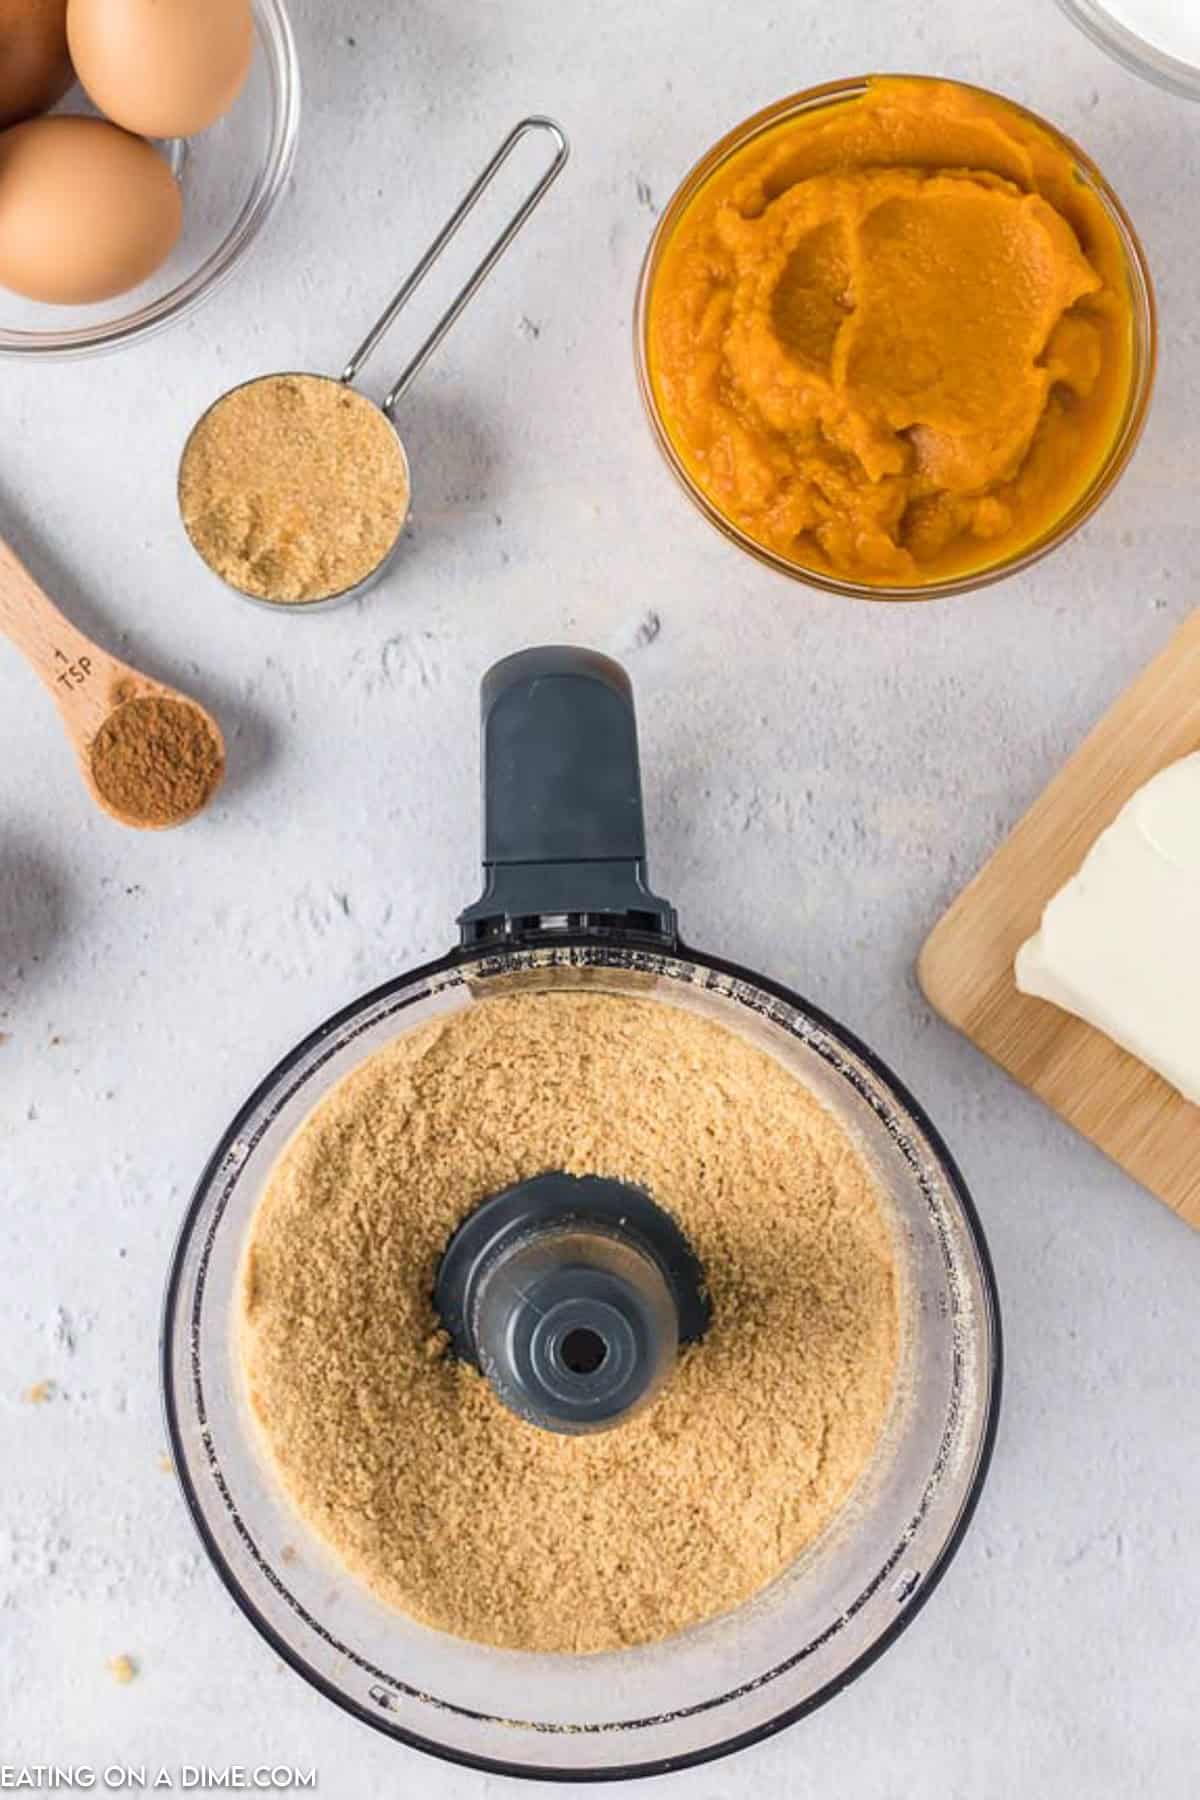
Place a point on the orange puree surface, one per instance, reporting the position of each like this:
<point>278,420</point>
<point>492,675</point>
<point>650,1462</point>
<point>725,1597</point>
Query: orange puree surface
<point>891,339</point>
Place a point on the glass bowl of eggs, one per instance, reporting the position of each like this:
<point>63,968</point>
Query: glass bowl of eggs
<point>144,144</point>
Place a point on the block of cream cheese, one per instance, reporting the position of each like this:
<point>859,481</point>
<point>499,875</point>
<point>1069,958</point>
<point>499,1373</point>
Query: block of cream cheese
<point>1119,945</point>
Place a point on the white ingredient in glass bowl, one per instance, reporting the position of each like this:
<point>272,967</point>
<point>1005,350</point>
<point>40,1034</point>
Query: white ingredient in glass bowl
<point>1119,945</point>
<point>1171,26</point>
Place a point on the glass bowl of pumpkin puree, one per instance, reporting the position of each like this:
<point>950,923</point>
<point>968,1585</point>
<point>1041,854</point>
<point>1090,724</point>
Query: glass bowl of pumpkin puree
<point>896,337</point>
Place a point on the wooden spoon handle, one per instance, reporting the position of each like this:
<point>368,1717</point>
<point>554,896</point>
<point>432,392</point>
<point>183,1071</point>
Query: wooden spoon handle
<point>77,673</point>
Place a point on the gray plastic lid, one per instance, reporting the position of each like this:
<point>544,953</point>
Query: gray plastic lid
<point>572,1295</point>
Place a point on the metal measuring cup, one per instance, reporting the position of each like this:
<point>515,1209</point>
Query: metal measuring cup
<point>380,329</point>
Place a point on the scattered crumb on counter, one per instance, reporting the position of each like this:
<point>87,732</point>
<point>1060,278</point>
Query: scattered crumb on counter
<point>39,1393</point>
<point>123,1669</point>
<point>166,1466</point>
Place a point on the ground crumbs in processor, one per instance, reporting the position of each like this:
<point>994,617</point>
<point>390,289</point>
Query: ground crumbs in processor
<point>403,1460</point>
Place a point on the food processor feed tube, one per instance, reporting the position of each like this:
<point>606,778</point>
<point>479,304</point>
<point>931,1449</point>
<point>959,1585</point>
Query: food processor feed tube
<point>564,845</point>
<point>572,1295</point>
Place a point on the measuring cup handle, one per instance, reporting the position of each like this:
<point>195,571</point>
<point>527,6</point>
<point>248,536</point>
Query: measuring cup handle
<point>474,281</point>
<point>564,845</point>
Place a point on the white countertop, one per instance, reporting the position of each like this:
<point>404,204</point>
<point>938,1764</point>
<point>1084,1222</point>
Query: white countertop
<point>821,778</point>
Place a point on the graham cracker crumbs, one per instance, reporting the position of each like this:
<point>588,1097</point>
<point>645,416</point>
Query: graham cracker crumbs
<point>40,1393</point>
<point>448,1506</point>
<point>165,1465</point>
<point>123,1669</point>
<point>294,488</point>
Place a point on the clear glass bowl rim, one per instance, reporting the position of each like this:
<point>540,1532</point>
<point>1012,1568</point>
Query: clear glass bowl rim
<point>1133,52</point>
<point>173,1318</point>
<point>1137,405</point>
<point>270,182</point>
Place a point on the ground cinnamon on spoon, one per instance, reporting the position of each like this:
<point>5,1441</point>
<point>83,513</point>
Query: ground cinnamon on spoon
<point>157,760</point>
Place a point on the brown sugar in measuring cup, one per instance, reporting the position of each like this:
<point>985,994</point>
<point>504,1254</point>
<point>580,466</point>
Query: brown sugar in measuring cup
<point>295,488</point>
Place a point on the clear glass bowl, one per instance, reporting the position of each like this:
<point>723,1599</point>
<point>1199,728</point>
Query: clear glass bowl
<point>1127,47</point>
<point>709,1690</point>
<point>233,177</point>
<point>1129,430</point>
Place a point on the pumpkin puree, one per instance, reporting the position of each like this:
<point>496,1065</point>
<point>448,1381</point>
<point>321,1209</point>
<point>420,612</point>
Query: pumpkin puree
<point>891,339</point>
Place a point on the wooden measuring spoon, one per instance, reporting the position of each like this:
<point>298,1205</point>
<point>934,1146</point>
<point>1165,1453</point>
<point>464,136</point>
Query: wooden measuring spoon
<point>149,756</point>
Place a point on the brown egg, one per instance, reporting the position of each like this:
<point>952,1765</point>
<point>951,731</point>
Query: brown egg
<point>35,69</point>
<point>86,210</point>
<point>166,68</point>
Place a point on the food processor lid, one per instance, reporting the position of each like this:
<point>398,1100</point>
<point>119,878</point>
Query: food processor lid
<point>572,1294</point>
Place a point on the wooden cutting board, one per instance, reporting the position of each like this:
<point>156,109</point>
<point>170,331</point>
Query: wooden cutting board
<point>966,967</point>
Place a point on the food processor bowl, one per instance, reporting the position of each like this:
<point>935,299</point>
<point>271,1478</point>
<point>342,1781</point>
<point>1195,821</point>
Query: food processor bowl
<point>733,1679</point>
